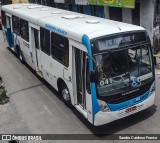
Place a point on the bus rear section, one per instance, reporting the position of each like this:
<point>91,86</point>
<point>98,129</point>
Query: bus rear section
<point>123,73</point>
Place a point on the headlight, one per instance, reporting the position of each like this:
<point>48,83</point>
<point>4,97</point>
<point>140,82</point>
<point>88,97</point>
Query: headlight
<point>104,106</point>
<point>152,88</point>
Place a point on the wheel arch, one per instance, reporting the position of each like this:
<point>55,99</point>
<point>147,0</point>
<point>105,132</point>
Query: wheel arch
<point>61,81</point>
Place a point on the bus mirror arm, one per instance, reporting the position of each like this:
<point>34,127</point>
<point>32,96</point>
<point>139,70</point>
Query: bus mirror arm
<point>93,76</point>
<point>93,73</point>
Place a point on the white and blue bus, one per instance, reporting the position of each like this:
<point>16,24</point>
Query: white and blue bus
<point>103,68</point>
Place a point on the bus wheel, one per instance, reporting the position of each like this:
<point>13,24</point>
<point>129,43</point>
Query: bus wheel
<point>66,96</point>
<point>21,57</point>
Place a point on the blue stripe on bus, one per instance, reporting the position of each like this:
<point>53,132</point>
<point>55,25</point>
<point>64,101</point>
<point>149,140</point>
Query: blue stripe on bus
<point>128,103</point>
<point>95,105</point>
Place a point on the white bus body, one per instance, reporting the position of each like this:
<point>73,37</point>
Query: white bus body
<point>57,44</point>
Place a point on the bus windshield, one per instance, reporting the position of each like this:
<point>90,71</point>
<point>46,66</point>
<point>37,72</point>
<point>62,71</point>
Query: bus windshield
<point>124,69</point>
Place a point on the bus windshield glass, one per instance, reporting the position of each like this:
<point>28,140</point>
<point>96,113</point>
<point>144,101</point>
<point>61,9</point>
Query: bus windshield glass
<point>123,70</point>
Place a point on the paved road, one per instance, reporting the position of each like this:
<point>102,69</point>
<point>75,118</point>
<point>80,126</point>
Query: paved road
<point>35,107</point>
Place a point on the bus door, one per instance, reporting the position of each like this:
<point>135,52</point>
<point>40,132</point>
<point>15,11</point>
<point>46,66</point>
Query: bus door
<point>80,68</point>
<point>35,48</point>
<point>8,32</point>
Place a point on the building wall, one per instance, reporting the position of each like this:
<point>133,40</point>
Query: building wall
<point>59,1</point>
<point>81,2</point>
<point>127,15</point>
<point>106,12</point>
<point>156,27</point>
<point>147,16</point>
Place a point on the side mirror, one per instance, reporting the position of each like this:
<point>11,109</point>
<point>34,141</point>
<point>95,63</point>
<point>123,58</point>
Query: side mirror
<point>93,76</point>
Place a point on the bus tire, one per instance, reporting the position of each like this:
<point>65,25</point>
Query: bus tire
<point>66,95</point>
<point>20,56</point>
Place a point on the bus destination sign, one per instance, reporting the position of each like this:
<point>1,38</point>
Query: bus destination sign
<point>120,40</point>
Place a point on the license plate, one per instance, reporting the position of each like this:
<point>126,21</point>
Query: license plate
<point>131,109</point>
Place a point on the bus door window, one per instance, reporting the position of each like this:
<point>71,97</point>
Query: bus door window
<point>8,22</point>
<point>8,31</point>
<point>88,88</point>
<point>36,38</point>
<point>35,47</point>
<point>3,18</point>
<point>80,63</point>
<point>16,25</point>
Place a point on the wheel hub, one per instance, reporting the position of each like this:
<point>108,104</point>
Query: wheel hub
<point>66,95</point>
<point>20,57</point>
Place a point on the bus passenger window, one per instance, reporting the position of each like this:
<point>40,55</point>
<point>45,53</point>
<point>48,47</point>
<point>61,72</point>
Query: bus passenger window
<point>3,18</point>
<point>16,24</point>
<point>60,48</point>
<point>24,31</point>
<point>45,40</point>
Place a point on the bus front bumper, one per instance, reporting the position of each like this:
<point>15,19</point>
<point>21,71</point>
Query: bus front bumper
<point>102,118</point>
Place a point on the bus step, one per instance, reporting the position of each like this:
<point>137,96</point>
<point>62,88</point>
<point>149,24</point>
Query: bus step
<point>39,73</point>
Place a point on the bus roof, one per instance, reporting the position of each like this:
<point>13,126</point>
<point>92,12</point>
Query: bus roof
<point>67,23</point>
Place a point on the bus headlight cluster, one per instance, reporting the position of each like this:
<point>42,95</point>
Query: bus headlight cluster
<point>104,106</point>
<point>152,88</point>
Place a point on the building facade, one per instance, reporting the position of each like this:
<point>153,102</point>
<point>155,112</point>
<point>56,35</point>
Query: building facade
<point>142,14</point>
<point>145,13</point>
<point>156,27</point>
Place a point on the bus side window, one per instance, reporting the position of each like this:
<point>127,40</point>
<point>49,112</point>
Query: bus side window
<point>16,25</point>
<point>3,18</point>
<point>45,40</point>
<point>24,30</point>
<point>88,77</point>
<point>60,48</point>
